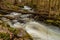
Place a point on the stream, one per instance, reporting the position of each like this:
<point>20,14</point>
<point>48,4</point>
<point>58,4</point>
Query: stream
<point>38,30</point>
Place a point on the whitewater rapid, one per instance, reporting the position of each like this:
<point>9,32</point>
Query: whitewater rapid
<point>40,32</point>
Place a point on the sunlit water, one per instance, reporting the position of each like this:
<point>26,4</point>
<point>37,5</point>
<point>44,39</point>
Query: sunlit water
<point>37,30</point>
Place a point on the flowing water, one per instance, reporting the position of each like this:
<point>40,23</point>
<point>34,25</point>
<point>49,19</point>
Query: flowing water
<point>41,32</point>
<point>37,30</point>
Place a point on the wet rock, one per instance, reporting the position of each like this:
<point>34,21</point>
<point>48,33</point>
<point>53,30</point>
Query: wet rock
<point>13,15</point>
<point>17,25</point>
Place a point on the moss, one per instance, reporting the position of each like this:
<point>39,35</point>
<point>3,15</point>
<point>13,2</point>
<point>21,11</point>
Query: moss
<point>14,30</point>
<point>53,22</point>
<point>4,36</point>
<point>49,21</point>
<point>56,23</point>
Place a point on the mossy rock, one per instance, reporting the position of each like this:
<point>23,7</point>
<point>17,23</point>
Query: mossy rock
<point>49,21</point>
